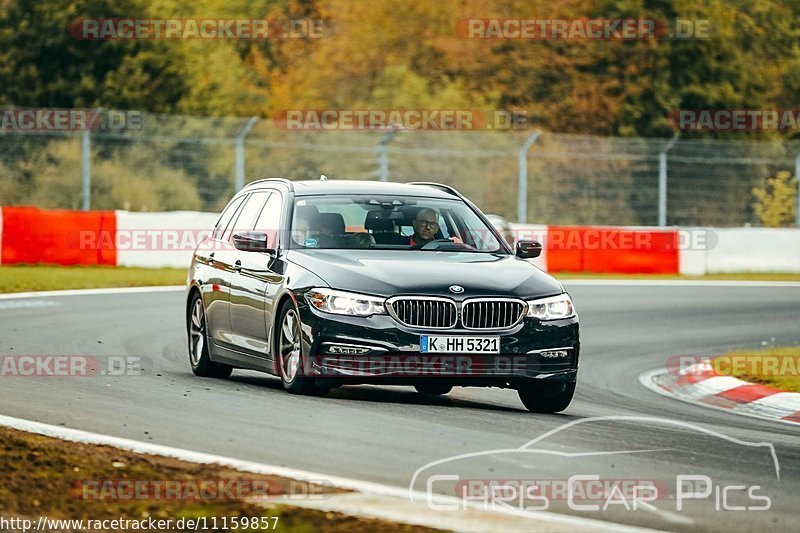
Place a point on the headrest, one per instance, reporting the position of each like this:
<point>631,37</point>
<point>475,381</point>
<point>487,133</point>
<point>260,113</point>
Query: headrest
<point>409,214</point>
<point>332,222</point>
<point>377,221</point>
<point>307,212</point>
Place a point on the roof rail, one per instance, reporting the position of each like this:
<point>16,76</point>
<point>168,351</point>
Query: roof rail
<point>284,181</point>
<point>441,186</point>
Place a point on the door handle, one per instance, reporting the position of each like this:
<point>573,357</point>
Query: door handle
<point>211,258</point>
<point>237,266</point>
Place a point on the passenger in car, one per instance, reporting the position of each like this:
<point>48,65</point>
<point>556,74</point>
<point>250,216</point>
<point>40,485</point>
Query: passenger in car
<point>331,233</point>
<point>327,228</point>
<point>301,231</point>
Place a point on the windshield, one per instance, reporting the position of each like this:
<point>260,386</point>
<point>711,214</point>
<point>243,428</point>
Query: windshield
<point>389,223</point>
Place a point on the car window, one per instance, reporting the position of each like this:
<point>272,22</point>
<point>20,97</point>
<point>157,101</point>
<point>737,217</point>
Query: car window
<point>227,215</point>
<point>246,220</point>
<point>269,220</point>
<point>387,222</point>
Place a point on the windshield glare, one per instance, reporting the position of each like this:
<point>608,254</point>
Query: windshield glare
<point>389,223</point>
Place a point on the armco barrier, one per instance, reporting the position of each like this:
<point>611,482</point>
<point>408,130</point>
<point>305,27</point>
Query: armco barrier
<point>612,250</point>
<point>160,239</point>
<point>755,250</point>
<point>32,235</point>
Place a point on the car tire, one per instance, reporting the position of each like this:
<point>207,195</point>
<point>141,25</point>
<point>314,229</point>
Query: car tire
<point>197,330</point>
<point>438,389</point>
<point>551,398</point>
<point>289,353</point>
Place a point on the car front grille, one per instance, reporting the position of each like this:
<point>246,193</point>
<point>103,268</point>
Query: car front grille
<point>422,312</point>
<point>491,313</point>
<point>442,313</point>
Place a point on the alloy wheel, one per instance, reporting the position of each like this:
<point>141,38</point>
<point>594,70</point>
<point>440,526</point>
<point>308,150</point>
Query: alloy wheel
<point>290,345</point>
<point>197,333</point>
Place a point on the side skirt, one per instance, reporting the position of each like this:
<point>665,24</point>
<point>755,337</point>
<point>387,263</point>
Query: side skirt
<point>238,359</point>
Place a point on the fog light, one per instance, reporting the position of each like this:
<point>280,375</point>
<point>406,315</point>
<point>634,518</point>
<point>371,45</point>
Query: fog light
<point>347,350</point>
<point>553,354</point>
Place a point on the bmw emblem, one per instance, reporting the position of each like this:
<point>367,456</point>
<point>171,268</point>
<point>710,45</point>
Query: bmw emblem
<point>456,289</point>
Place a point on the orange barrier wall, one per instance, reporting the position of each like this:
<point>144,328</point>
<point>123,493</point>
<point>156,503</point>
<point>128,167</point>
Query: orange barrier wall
<point>612,250</point>
<point>32,235</point>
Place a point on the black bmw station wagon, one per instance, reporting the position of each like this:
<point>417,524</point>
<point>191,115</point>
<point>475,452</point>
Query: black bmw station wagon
<point>328,283</point>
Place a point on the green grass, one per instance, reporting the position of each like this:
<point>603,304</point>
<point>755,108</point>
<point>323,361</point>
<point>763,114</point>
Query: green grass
<point>21,278</point>
<point>748,276</point>
<point>775,367</point>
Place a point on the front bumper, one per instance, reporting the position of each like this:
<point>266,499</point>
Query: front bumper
<point>378,349</point>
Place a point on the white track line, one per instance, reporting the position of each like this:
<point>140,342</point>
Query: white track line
<point>646,380</point>
<point>547,519</point>
<point>680,282</point>
<point>92,292</point>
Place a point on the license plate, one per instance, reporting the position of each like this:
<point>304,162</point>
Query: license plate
<point>458,344</point>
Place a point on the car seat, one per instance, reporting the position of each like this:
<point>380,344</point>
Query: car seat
<point>328,227</point>
<point>383,229</point>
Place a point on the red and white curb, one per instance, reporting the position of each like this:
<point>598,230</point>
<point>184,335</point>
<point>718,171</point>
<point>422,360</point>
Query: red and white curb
<point>700,385</point>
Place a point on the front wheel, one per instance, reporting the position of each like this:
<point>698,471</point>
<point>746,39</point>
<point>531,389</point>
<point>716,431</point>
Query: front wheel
<point>550,398</point>
<point>288,349</point>
<point>201,363</point>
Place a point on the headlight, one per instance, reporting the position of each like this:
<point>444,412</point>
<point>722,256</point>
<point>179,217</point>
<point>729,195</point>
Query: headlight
<point>551,308</point>
<point>345,303</point>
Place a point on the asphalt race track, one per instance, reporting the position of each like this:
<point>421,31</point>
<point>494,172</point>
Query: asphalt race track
<point>385,434</point>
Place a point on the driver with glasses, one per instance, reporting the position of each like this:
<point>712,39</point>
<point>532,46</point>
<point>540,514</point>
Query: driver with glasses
<point>425,224</point>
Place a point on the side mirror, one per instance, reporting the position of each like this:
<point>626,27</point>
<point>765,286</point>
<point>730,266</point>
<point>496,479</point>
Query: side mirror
<point>529,249</point>
<point>252,241</point>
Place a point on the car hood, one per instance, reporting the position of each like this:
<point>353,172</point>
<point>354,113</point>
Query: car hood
<point>391,272</point>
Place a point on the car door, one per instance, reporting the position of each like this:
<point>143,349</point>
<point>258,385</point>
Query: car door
<point>215,270</point>
<point>253,280</point>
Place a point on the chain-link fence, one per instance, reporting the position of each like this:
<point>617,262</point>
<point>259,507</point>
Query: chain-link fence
<point>195,163</point>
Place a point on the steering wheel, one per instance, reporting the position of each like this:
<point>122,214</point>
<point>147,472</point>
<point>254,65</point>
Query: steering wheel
<point>428,245</point>
<point>434,244</point>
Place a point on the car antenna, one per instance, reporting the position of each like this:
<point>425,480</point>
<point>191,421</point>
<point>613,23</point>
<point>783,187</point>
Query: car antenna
<point>323,177</point>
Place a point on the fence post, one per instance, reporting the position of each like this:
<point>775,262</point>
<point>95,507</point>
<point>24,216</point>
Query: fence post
<point>383,154</point>
<point>240,152</point>
<point>86,158</point>
<point>797,179</point>
<point>662,182</point>
<point>522,178</point>
<point>86,171</point>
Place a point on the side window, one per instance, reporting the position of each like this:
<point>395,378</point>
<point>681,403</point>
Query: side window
<point>269,220</point>
<point>247,214</point>
<point>226,217</point>
<point>446,225</point>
